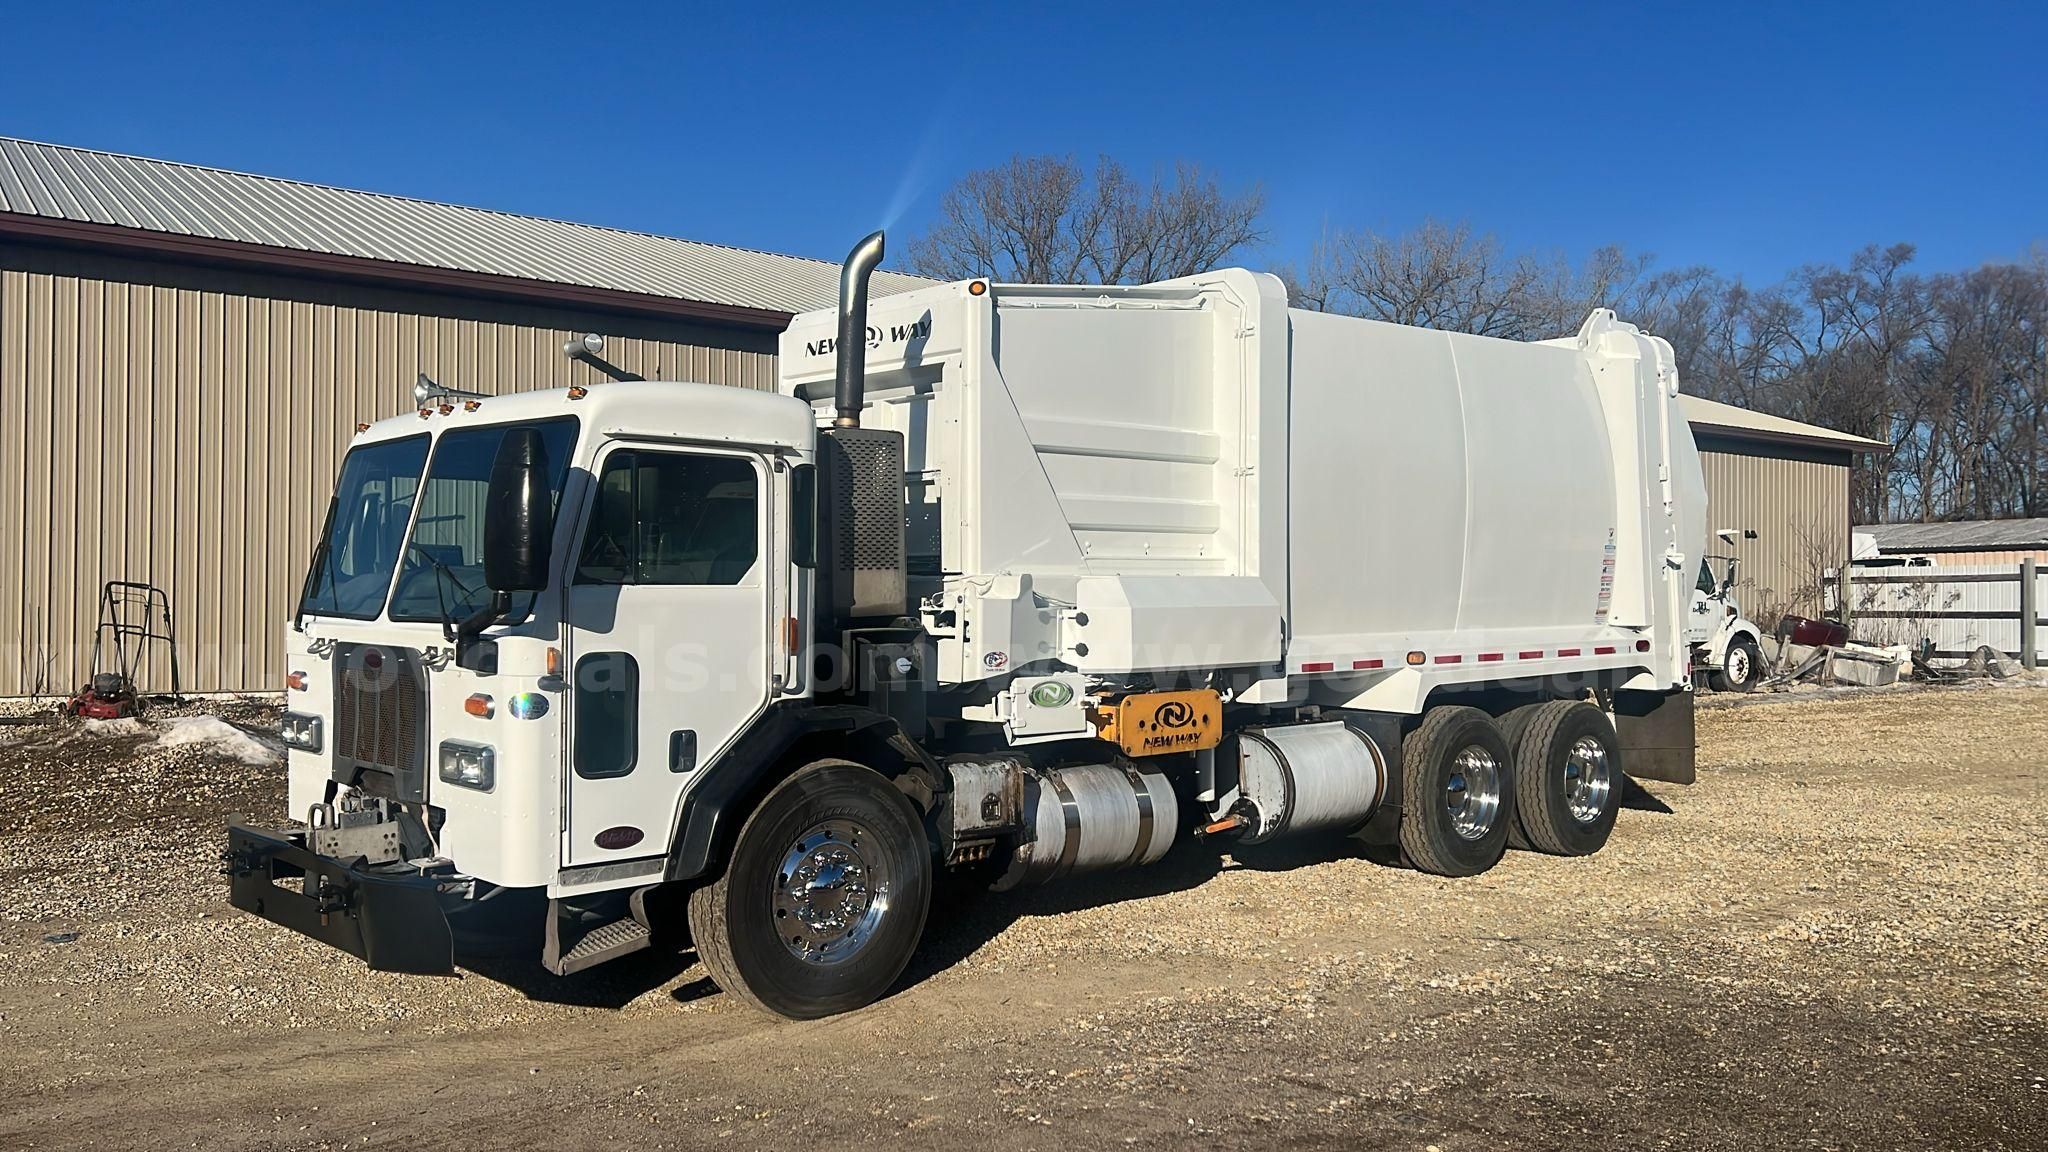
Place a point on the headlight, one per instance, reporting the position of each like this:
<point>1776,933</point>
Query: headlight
<point>468,765</point>
<point>300,731</point>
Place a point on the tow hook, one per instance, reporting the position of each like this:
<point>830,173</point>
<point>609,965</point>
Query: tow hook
<point>328,899</point>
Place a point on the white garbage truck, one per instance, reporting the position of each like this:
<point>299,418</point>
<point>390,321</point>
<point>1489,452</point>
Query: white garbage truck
<point>1013,582</point>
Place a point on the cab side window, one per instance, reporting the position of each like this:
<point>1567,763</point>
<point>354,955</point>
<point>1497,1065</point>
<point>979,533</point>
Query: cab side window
<point>672,518</point>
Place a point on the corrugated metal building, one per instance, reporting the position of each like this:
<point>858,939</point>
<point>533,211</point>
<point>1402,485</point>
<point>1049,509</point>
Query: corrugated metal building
<point>1964,541</point>
<point>184,353</point>
<point>1790,483</point>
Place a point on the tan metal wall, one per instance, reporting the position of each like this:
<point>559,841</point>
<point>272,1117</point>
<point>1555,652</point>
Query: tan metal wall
<point>183,426</point>
<point>1798,503</point>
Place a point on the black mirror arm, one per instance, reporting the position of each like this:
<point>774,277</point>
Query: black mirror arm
<point>471,626</point>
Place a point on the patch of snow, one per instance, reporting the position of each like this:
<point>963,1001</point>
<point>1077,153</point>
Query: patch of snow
<point>221,737</point>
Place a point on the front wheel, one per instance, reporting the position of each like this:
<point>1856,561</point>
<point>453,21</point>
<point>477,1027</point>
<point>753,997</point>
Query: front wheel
<point>1742,668</point>
<point>824,898</point>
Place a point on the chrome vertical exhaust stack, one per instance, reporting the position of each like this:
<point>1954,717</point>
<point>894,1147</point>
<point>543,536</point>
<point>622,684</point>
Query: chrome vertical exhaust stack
<point>852,344</point>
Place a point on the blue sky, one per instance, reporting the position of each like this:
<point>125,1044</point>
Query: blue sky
<point>1750,138</point>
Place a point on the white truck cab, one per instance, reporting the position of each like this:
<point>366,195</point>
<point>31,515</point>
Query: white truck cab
<point>1726,645</point>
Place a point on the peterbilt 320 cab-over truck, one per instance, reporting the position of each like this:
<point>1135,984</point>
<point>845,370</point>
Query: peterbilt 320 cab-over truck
<point>1013,582</point>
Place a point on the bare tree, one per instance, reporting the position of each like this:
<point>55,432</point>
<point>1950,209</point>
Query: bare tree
<point>1045,220</point>
<point>1446,276</point>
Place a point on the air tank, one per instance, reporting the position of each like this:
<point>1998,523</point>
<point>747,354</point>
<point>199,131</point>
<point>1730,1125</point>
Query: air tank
<point>1303,777</point>
<point>1092,818</point>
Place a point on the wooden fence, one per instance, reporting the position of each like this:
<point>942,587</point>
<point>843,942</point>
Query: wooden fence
<point>1960,607</point>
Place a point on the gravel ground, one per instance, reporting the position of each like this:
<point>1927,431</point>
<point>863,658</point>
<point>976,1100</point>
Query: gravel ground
<point>1834,940</point>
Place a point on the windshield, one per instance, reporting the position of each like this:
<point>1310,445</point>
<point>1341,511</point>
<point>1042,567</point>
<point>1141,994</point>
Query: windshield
<point>365,523</point>
<point>442,572</point>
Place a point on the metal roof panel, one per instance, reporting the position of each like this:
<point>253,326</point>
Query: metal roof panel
<point>86,186</point>
<point>1961,535</point>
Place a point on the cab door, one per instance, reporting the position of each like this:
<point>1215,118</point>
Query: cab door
<point>669,639</point>
<point>1701,617</point>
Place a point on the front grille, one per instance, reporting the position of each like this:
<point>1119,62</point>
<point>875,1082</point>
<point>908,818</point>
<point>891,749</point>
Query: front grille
<point>380,717</point>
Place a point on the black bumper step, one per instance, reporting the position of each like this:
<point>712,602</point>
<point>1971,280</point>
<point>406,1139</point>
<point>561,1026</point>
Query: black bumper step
<point>393,921</point>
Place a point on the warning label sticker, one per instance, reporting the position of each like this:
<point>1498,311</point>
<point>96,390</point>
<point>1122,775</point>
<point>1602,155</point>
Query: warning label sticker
<point>1606,600</point>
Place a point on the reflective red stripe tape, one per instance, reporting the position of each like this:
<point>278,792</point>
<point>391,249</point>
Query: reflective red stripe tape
<point>1490,657</point>
<point>1449,659</point>
<point>1366,664</point>
<point>1567,651</point>
<point>1604,650</point>
<point>1319,666</point>
<point>1535,655</point>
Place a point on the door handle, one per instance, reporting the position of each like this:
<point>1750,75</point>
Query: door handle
<point>682,750</point>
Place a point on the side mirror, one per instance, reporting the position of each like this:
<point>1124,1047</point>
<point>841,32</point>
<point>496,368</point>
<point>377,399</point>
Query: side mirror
<point>519,515</point>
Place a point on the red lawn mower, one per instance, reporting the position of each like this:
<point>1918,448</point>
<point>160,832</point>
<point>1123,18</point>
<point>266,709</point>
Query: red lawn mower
<point>129,616</point>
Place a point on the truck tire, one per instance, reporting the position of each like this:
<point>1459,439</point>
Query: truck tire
<point>1741,668</point>
<point>824,897</point>
<point>1458,793</point>
<point>1511,724</point>
<point>1568,778</point>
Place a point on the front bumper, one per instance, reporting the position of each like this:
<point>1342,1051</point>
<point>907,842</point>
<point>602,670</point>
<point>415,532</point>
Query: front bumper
<point>393,920</point>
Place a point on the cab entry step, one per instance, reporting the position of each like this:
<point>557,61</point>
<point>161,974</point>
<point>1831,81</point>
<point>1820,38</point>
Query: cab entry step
<point>579,935</point>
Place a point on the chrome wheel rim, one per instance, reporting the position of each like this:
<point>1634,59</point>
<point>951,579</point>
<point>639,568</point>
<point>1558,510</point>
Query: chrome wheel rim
<point>1588,783</point>
<point>1738,665</point>
<point>1472,794</point>
<point>829,895</point>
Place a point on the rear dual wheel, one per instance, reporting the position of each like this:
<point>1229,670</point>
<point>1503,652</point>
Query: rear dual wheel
<point>1568,777</point>
<point>824,898</point>
<point>1458,793</point>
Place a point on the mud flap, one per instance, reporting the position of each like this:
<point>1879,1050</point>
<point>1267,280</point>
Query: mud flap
<point>1656,734</point>
<point>392,921</point>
